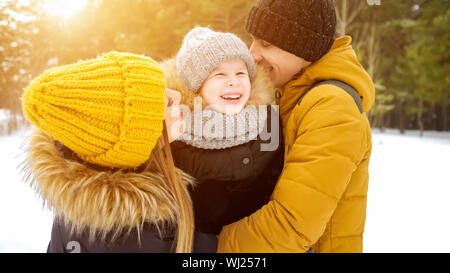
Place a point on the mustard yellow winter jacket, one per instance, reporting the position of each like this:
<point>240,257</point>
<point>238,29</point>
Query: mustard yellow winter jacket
<point>320,198</point>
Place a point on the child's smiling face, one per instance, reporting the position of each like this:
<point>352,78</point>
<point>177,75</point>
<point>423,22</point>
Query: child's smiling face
<point>227,87</point>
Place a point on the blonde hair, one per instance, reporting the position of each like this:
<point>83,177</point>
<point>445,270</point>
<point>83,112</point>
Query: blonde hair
<point>161,161</point>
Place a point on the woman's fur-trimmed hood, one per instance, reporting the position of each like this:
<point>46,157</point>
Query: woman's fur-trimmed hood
<point>105,203</point>
<point>262,90</point>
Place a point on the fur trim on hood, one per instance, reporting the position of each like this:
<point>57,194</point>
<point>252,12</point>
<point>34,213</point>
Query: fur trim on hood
<point>262,90</point>
<point>105,203</point>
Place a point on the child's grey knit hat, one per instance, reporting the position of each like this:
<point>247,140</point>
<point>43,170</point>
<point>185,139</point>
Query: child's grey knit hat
<point>203,50</point>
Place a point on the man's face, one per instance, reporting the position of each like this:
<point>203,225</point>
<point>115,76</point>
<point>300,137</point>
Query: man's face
<point>281,65</point>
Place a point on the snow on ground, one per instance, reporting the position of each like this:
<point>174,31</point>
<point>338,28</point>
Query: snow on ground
<point>25,226</point>
<point>409,193</point>
<point>408,202</point>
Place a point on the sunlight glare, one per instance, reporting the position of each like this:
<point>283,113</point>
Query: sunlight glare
<point>64,8</point>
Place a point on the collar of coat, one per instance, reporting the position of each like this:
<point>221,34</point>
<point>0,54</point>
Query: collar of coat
<point>262,90</point>
<point>340,63</point>
<point>105,203</point>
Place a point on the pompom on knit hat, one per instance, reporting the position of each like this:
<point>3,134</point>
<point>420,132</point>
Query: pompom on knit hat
<point>204,49</point>
<point>108,110</point>
<point>305,28</point>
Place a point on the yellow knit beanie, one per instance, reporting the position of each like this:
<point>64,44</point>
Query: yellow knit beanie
<point>108,110</point>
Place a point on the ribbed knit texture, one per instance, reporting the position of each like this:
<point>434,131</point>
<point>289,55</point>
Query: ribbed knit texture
<point>203,50</point>
<point>108,110</point>
<point>209,129</point>
<point>304,28</point>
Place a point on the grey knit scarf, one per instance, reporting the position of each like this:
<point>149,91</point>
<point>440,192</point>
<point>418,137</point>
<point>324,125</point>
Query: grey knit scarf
<point>209,129</point>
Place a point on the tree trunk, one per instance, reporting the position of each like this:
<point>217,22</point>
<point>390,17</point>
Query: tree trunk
<point>389,119</point>
<point>419,117</point>
<point>401,117</point>
<point>429,117</point>
<point>342,18</point>
<point>346,11</point>
<point>433,112</point>
<point>445,117</point>
<point>382,127</point>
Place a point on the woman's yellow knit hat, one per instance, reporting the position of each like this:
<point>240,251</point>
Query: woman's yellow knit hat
<point>108,110</point>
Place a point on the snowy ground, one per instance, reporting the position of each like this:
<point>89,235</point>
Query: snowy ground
<point>409,193</point>
<point>408,205</point>
<point>25,226</point>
